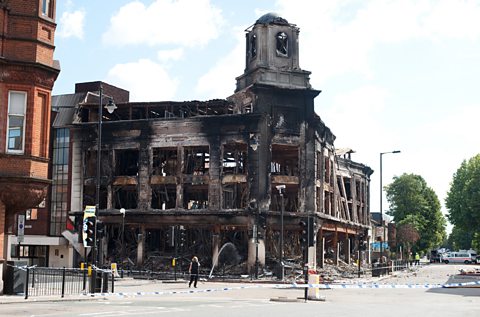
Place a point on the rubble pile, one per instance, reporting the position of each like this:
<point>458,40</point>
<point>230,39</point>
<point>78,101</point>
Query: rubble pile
<point>331,272</point>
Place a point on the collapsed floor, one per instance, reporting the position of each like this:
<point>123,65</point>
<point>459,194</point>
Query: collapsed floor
<point>232,258</point>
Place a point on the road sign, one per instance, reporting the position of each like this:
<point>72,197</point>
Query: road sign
<point>21,228</point>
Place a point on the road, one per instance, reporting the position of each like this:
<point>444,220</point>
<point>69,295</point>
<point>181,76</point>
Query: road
<point>255,300</point>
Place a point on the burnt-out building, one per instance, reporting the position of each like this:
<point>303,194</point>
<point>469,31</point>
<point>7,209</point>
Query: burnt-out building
<point>256,173</point>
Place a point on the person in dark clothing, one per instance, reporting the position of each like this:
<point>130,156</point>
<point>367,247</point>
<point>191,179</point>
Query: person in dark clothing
<point>193,270</point>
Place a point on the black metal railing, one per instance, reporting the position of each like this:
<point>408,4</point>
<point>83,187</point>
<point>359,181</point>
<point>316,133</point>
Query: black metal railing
<point>44,281</point>
<point>379,269</point>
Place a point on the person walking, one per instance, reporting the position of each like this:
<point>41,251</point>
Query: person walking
<point>193,270</point>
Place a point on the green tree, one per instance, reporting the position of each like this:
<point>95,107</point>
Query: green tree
<point>463,199</point>
<point>459,239</point>
<point>413,202</point>
<point>407,235</point>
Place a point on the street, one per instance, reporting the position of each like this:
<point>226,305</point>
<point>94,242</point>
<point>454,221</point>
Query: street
<point>231,299</point>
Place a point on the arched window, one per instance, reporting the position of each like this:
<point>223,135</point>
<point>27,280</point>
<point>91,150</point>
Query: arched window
<point>253,46</point>
<point>282,44</point>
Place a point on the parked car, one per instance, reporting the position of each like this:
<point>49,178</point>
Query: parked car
<point>457,257</point>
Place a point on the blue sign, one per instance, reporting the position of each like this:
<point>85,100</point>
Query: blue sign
<point>375,246</point>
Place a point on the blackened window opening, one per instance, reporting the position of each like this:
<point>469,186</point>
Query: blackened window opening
<point>165,161</point>
<point>282,44</point>
<point>235,196</point>
<point>195,196</point>
<point>164,197</point>
<point>253,46</point>
<point>126,162</point>
<point>284,160</point>
<point>290,196</point>
<point>197,160</point>
<point>89,196</point>
<point>234,159</point>
<point>125,197</point>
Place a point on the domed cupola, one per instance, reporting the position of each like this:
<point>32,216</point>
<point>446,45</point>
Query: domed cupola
<point>271,18</point>
<point>272,55</point>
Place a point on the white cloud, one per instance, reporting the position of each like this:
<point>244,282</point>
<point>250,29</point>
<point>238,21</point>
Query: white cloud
<point>337,37</point>
<point>170,55</point>
<point>354,116</point>
<point>71,24</point>
<point>146,80</point>
<point>219,82</point>
<point>181,22</point>
<point>454,19</point>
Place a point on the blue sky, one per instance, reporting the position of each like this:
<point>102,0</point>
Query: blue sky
<point>394,75</point>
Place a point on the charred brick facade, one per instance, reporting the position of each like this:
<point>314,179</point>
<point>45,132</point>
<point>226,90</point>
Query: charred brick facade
<point>242,173</point>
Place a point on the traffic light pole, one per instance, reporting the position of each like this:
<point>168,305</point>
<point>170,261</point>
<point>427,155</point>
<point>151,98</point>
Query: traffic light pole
<point>282,273</point>
<point>175,242</point>
<point>359,259</point>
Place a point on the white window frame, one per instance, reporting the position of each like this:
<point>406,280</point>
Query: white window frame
<point>47,8</point>
<point>22,150</point>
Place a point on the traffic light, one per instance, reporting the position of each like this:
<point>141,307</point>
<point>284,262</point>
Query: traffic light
<point>170,236</point>
<point>362,243</point>
<point>262,221</point>
<point>312,231</point>
<point>100,229</point>
<point>182,236</point>
<point>303,233</point>
<point>89,232</point>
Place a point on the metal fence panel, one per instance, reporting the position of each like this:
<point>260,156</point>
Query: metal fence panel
<point>44,281</point>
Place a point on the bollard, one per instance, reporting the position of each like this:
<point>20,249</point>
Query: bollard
<point>313,292</point>
<point>63,282</point>
<point>93,280</point>
<point>113,283</point>
<point>26,283</point>
<point>104,282</point>
<point>305,272</point>
<point>84,279</point>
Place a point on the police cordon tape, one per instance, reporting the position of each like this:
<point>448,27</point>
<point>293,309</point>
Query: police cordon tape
<point>292,286</point>
<point>376,285</point>
<point>208,290</point>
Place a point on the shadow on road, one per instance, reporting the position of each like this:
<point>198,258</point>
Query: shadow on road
<point>460,291</point>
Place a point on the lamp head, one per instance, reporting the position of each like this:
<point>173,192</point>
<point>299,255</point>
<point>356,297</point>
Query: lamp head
<point>122,211</point>
<point>111,106</point>
<point>397,151</point>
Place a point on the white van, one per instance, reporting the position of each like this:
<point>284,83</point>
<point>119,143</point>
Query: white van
<point>457,257</point>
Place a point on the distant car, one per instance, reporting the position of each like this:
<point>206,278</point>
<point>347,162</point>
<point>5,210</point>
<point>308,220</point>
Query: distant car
<point>457,257</point>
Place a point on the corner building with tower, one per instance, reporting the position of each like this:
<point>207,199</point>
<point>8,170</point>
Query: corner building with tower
<point>256,173</point>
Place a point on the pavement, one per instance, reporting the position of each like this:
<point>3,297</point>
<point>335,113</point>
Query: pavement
<point>141,287</point>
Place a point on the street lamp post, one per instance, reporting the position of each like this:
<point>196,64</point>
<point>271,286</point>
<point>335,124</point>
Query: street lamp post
<point>110,108</point>
<point>281,189</point>
<point>122,211</point>
<point>381,201</point>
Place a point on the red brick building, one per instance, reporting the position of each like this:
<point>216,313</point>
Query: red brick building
<point>27,75</point>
